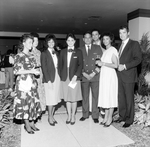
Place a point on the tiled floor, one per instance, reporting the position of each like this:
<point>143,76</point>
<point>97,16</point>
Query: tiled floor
<point>82,134</point>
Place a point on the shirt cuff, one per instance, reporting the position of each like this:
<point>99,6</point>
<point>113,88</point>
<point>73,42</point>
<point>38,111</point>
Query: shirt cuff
<point>125,67</point>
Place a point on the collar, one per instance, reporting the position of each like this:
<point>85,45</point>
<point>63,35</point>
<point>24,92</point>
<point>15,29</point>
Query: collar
<point>70,48</point>
<point>97,42</point>
<point>51,51</point>
<point>126,41</point>
<point>88,45</point>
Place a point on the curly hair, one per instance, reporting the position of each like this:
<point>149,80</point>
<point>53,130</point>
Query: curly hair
<point>48,38</point>
<point>22,40</point>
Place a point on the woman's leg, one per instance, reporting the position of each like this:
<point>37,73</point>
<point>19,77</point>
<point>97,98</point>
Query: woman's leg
<point>110,113</point>
<point>74,108</point>
<point>50,115</point>
<point>106,116</point>
<point>27,126</point>
<point>33,127</point>
<point>53,109</point>
<point>68,105</point>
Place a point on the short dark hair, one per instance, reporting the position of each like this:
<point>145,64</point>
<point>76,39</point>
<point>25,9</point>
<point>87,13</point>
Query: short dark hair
<point>50,37</point>
<point>34,34</point>
<point>23,39</point>
<point>124,27</point>
<point>109,34</point>
<point>87,32</point>
<point>70,35</point>
<point>97,30</point>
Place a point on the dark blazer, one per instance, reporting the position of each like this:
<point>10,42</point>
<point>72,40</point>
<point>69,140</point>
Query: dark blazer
<point>131,57</point>
<point>76,64</point>
<point>89,61</point>
<point>47,66</point>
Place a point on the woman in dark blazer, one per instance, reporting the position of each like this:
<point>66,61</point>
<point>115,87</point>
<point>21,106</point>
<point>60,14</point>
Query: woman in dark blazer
<point>51,79</point>
<point>70,68</point>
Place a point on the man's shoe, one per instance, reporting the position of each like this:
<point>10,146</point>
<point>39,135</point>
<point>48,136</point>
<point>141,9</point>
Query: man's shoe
<point>96,120</point>
<point>83,119</point>
<point>126,125</point>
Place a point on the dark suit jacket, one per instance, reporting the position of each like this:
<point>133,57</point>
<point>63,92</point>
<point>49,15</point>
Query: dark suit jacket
<point>47,66</point>
<point>89,61</point>
<point>76,64</point>
<point>131,57</point>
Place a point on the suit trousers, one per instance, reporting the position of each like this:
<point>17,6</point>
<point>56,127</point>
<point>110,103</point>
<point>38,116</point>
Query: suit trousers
<point>126,101</point>
<point>85,87</point>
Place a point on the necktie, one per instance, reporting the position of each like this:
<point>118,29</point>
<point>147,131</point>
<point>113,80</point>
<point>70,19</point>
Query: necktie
<point>70,50</point>
<point>120,50</point>
<point>88,49</point>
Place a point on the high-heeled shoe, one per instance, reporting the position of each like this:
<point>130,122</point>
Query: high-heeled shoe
<point>30,132</point>
<point>107,125</point>
<point>55,122</point>
<point>67,121</point>
<point>35,129</point>
<point>72,123</point>
<point>52,124</point>
<point>101,123</point>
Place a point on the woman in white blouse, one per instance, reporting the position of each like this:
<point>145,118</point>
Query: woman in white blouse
<point>51,79</point>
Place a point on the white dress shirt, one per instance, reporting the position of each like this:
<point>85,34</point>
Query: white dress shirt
<point>86,46</point>
<point>54,57</point>
<point>69,54</point>
<point>124,44</point>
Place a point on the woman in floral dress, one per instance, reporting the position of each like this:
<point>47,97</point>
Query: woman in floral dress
<point>37,55</point>
<point>26,103</point>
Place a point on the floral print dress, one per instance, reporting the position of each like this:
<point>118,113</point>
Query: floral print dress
<point>26,101</point>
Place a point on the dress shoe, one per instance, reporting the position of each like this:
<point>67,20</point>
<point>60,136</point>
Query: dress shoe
<point>126,125</point>
<point>35,129</point>
<point>96,120</point>
<point>83,119</point>
<point>72,123</point>
<point>68,121</point>
<point>30,132</point>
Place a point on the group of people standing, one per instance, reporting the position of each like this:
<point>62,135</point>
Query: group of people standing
<point>43,79</point>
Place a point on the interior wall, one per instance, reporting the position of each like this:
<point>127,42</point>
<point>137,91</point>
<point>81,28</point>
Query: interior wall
<point>139,26</point>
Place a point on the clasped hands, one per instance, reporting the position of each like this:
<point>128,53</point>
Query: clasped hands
<point>90,76</point>
<point>121,67</point>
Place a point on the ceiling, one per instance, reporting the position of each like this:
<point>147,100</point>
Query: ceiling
<point>66,16</point>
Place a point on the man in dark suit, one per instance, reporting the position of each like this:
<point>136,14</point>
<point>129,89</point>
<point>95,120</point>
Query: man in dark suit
<point>129,58</point>
<point>90,78</point>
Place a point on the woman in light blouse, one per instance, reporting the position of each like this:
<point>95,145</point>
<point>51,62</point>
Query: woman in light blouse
<point>51,79</point>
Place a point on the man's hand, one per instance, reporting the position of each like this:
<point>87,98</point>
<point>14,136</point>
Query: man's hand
<point>86,76</point>
<point>121,67</point>
<point>92,74</point>
<point>97,69</point>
